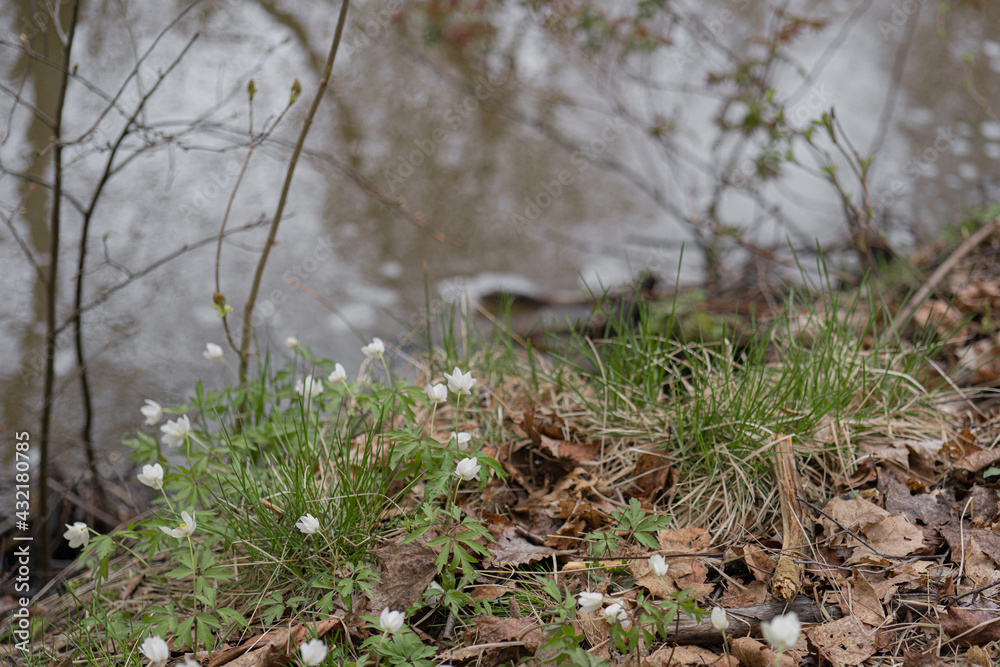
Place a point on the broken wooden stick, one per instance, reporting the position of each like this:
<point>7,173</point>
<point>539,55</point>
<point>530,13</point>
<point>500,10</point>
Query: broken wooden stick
<point>787,579</point>
<point>745,621</point>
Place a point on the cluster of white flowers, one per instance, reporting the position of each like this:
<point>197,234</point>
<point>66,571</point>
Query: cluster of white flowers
<point>614,613</point>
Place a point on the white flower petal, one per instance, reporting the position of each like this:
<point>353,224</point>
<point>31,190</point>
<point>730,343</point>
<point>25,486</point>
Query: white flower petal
<point>391,621</point>
<point>590,601</point>
<point>152,412</point>
<point>313,652</point>
<point>152,476</point>
<point>155,649</point>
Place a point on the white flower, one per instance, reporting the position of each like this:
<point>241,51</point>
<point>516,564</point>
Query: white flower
<point>174,432</point>
<point>437,393</point>
<point>313,652</point>
<point>782,632</point>
<point>152,412</point>
<point>468,469</point>
<point>659,565</point>
<point>188,662</point>
<point>78,535</point>
<point>291,342</point>
<point>590,601</point>
<point>212,352</point>
<point>152,475</point>
<point>390,621</point>
<point>188,525</point>
<point>309,385</point>
<point>462,438</point>
<point>374,348</point>
<point>460,383</point>
<point>307,524</point>
<point>434,592</point>
<point>615,614</point>
<point>720,620</point>
<point>155,649</point>
<point>338,375</point>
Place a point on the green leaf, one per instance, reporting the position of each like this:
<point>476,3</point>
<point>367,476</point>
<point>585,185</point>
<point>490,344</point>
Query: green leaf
<point>233,616</point>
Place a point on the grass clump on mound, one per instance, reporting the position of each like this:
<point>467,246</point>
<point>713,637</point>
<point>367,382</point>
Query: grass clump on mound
<point>333,503</point>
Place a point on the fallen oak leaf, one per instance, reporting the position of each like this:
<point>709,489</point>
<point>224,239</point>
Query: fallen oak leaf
<point>843,643</point>
<point>752,653</point>
<point>687,656</point>
<point>971,627</point>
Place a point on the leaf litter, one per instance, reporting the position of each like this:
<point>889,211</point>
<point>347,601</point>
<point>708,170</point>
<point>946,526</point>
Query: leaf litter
<point>898,523</point>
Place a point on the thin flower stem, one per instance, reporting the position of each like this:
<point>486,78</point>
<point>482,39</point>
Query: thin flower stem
<point>273,232</point>
<point>453,502</point>
<point>458,410</point>
<point>194,587</point>
<point>388,375</point>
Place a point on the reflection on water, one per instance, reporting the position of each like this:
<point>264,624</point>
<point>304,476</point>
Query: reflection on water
<point>469,150</point>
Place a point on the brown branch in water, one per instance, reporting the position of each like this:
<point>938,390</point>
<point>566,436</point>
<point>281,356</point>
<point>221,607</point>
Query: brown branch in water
<point>307,123</point>
<point>51,290</point>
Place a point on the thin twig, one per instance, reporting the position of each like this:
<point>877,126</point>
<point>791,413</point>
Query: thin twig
<point>132,277</point>
<point>943,270</point>
<point>307,123</point>
<point>88,412</point>
<point>41,526</point>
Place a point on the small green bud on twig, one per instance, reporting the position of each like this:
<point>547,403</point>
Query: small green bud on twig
<point>296,91</point>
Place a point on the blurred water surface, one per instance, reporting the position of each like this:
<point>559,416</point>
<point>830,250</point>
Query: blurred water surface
<point>467,150</point>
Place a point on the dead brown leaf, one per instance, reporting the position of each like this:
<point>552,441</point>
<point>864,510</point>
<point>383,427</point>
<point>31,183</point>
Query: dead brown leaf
<point>971,627</point>
<point>864,602</point>
<point>844,642</point>
<point>687,656</point>
<point>931,509</point>
<point>494,630</point>
<point>573,451</point>
<point>653,475</point>
<point>511,549</point>
<point>913,659</point>
<point>407,570</point>
<point>488,592</point>
<point>752,653</point>
<point>978,550</point>
<point>889,534</point>
<point>976,461</point>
